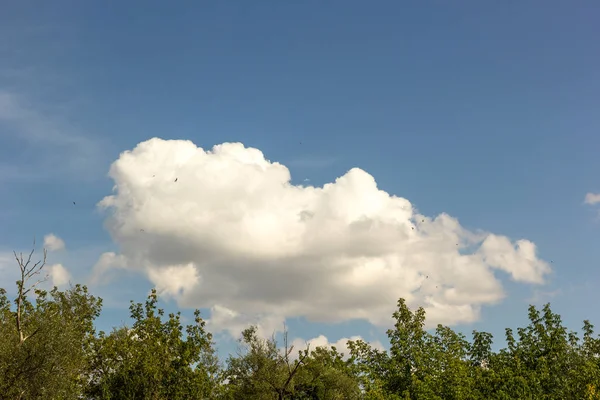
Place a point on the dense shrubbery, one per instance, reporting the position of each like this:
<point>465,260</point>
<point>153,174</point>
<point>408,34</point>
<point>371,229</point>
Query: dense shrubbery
<point>50,350</point>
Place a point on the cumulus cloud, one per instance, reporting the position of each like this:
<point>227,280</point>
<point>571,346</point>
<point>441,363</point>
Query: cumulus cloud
<point>59,274</point>
<point>53,242</point>
<point>173,280</point>
<point>321,341</point>
<point>592,198</point>
<point>106,267</point>
<point>226,230</point>
<point>233,322</point>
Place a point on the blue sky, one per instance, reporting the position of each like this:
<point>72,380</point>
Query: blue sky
<point>482,111</point>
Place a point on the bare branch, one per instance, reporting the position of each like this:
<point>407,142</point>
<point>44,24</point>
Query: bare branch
<point>27,272</point>
<point>286,358</point>
<point>36,283</point>
<point>293,372</point>
<point>32,335</point>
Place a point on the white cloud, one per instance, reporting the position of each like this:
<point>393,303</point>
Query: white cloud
<point>53,242</point>
<point>518,259</point>
<point>592,198</point>
<point>233,234</point>
<point>174,280</point>
<point>106,266</point>
<point>321,341</point>
<point>59,274</point>
<point>223,318</point>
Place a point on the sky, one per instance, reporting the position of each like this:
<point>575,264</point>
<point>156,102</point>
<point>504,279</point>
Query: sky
<point>306,163</point>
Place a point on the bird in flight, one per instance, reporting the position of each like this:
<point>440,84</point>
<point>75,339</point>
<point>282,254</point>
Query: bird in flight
<point>176,179</point>
<point>73,203</point>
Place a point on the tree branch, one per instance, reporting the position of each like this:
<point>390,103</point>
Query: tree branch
<point>27,272</point>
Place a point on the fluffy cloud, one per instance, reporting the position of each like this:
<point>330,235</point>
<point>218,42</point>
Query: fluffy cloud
<point>225,229</point>
<point>106,267</point>
<point>223,318</point>
<point>322,341</point>
<point>59,275</point>
<point>592,198</point>
<point>53,242</point>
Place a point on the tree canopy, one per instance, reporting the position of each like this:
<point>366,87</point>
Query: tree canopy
<point>49,349</point>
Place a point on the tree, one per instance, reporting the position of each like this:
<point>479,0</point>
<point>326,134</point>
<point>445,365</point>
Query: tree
<point>153,359</point>
<point>44,344</point>
<point>373,369</point>
<point>403,373</point>
<point>589,368</point>
<point>543,362</point>
<point>326,376</point>
<point>421,365</point>
<point>481,356</point>
<point>263,371</point>
<point>260,371</point>
<point>49,349</point>
<point>407,351</point>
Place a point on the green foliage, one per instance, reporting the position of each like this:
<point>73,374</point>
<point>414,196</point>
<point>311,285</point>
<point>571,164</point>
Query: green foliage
<point>263,371</point>
<point>51,363</point>
<point>50,350</point>
<point>153,360</point>
<point>544,362</point>
<point>258,372</point>
<point>326,376</point>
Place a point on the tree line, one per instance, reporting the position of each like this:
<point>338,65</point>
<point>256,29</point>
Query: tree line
<point>49,349</point>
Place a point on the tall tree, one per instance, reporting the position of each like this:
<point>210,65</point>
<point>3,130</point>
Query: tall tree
<point>374,369</point>
<point>326,376</point>
<point>408,341</point>
<point>447,371</point>
<point>44,344</point>
<point>154,359</point>
<point>261,371</point>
